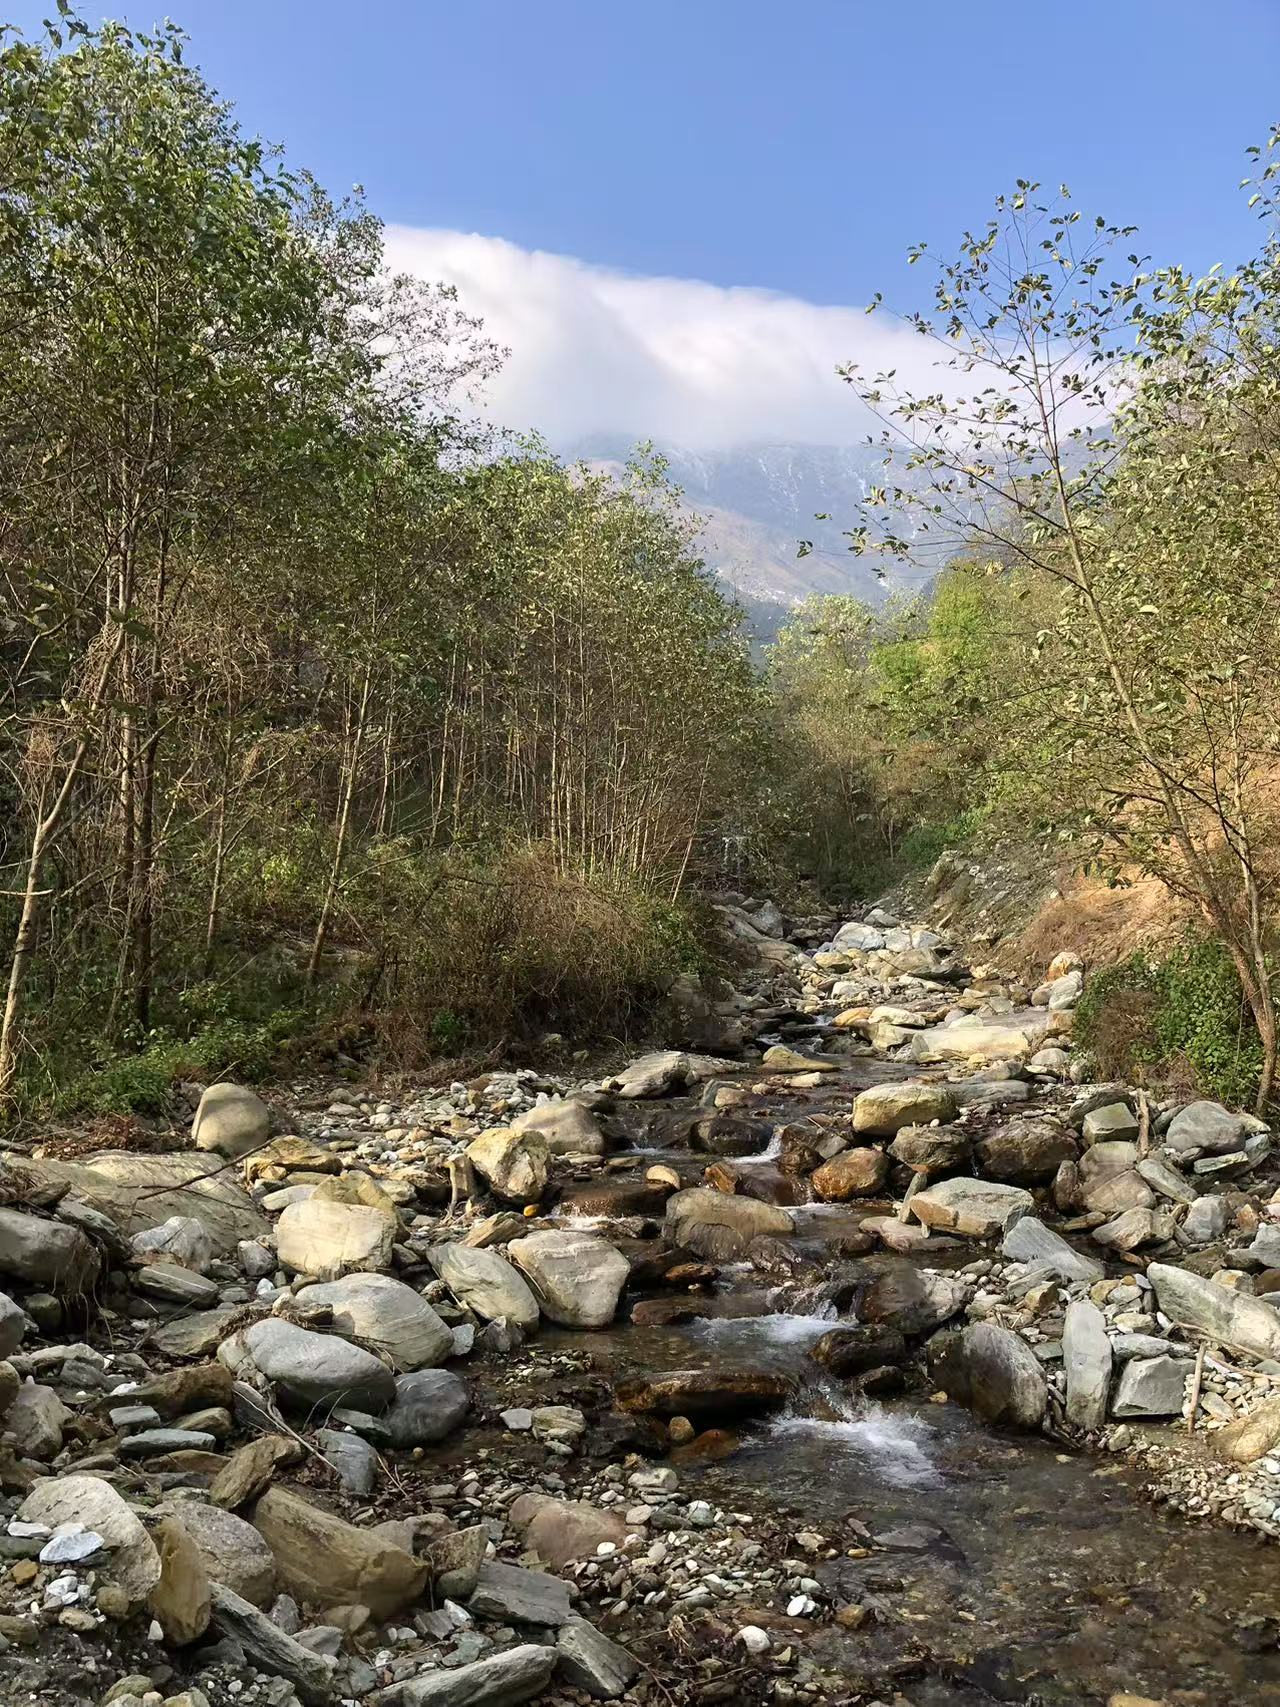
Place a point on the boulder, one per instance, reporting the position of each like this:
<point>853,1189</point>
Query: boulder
<point>1109,1179</point>
<point>1030,1241</point>
<point>513,1163</point>
<point>576,1277</point>
<point>327,1240</point>
<point>1112,1121</point>
<point>1026,1151</point>
<point>249,1471</point>
<point>34,1420</point>
<point>182,1240</point>
<point>175,1392</point>
<point>566,1126</point>
<point>230,1120</point>
<point>390,1317</point>
<point>1231,1318</point>
<point>853,1173</point>
<point>133,1563</point>
<point>973,1208</point>
<point>1014,1038</point>
<point>231,1550</point>
<point>13,1324</point>
<point>720,1227</point>
<point>510,1594</point>
<point>561,1530</point>
<point>853,1350</point>
<point>1086,1357</point>
<point>1133,1229</point>
<point>324,1561</point>
<point>180,1600</point>
<point>1206,1220</point>
<point>10,1383</point>
<point>272,1651</point>
<point>884,1109</point>
<point>911,1300</point>
<point>315,1372</point>
<point>486,1283</point>
<point>137,1190</point>
<point>705,1395</point>
<point>1165,1180</point>
<point>931,1149</point>
<point>47,1254</point>
<point>503,1680</point>
<point>1004,1380</point>
<point>1208,1127</point>
<point>427,1406</point>
<point>592,1661</point>
<point>1250,1437</point>
<point>1151,1387</point>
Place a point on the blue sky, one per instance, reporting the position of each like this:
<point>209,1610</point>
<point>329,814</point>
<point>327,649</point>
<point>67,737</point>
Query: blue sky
<point>794,148</point>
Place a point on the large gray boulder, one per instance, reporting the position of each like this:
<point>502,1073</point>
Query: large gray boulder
<point>1209,1127</point>
<point>514,1164</point>
<point>503,1680</point>
<point>387,1315</point>
<point>315,1372</point>
<point>566,1126</point>
<point>1030,1241</point>
<point>182,1239</point>
<point>1003,1379</point>
<point>487,1283</point>
<point>1109,1178</point>
<point>327,1239</point>
<point>1231,1318</point>
<point>48,1254</point>
<point>427,1406</point>
<point>133,1561</point>
<point>576,1277</point>
<point>136,1191</point>
<point>973,1208</point>
<point>231,1550</point>
<point>1086,1357</point>
<point>720,1227</point>
<point>884,1109</point>
<point>592,1661</point>
<point>1151,1387</point>
<point>13,1324</point>
<point>268,1647</point>
<point>230,1120</point>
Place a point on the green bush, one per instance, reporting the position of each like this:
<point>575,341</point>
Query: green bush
<point>141,1083</point>
<point>1181,1023</point>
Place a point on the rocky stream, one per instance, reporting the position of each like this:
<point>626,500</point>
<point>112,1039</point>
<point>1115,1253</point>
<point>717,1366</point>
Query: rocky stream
<point>856,1353</point>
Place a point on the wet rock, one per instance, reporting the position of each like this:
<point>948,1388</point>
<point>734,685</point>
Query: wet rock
<point>720,1227</point>
<point>1230,1318</point>
<point>427,1406</point>
<point>705,1394</point>
<point>1026,1152</point>
<point>885,1109</point>
<point>326,1240</point>
<point>387,1315</point>
<point>1030,1241</point>
<point>1151,1387</point>
<point>857,1349</point>
<point>566,1126</point>
<point>780,1059</point>
<point>503,1680</point>
<point>1004,1380</point>
<point>230,1120</point>
<point>47,1254</point>
<point>561,1530</point>
<point>1086,1357</point>
<point>514,1164</point>
<point>576,1277</point>
<point>1250,1437</point>
<point>322,1559</point>
<point>133,1563</point>
<point>590,1660</point>
<point>931,1149</point>
<point>487,1283</point>
<point>975,1209</point>
<point>231,1550</point>
<point>268,1647</point>
<point>509,1593</point>
<point>181,1599</point>
<point>616,1199</point>
<point>1207,1127</point>
<point>914,1301</point>
<point>853,1173</point>
<point>312,1371</point>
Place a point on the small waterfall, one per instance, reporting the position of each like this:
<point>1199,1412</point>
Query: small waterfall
<point>895,1444</point>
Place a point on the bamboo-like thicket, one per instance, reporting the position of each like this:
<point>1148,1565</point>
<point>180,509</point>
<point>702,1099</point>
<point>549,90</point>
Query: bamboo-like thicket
<point>273,625</point>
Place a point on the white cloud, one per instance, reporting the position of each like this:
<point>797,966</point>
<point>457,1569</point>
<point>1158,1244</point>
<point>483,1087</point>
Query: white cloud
<point>677,360</point>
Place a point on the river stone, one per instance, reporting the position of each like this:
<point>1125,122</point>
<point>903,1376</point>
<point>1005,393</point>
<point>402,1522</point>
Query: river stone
<point>326,1240</point>
<point>1250,1437</point>
<point>1133,1229</point>
<point>565,1126</point>
<point>853,1173</point>
<point>47,1254</point>
<point>911,1300</point>
<point>1109,1178</point>
<point>230,1120</point>
<point>973,1208</point>
<point>387,1315</point>
<point>133,1563</point>
<point>1264,1250</point>
<point>323,1560</point>
<point>590,1660</point>
<point>486,1282</point>
<point>1209,1127</point>
<point>353,1459</point>
<point>173,1284</point>
<point>507,1593</point>
<point>428,1405</point>
<point>561,1530</point>
<point>1113,1120</point>
<point>1231,1318</point>
<point>705,1395</point>
<point>181,1600</point>
<point>232,1551</point>
<point>268,1647</point>
<point>514,1164</point>
<point>137,1190</point>
<point>1151,1387</point>
<point>455,1560</point>
<point>13,1324</point>
<point>196,1335</point>
<point>249,1471</point>
<point>175,1392</point>
<point>1008,1040</point>
<point>853,1350</point>
<point>503,1680</point>
<point>34,1420</point>
<point>1026,1151</point>
<point>884,1109</point>
<point>182,1239</point>
<point>10,1383</point>
<point>1086,1357</point>
<point>720,1227</point>
<point>931,1149</point>
<point>317,1371</point>
<point>1005,1379</point>
<point>576,1277</point>
<point>1030,1241</point>
<point>1165,1180</point>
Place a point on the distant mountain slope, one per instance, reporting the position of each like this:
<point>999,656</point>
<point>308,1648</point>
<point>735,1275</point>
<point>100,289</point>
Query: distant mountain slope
<point>760,501</point>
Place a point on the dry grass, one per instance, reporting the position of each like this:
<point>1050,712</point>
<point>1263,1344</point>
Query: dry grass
<point>1103,925</point>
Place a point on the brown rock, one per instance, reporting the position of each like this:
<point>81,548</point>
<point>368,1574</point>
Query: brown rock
<point>322,1560</point>
<point>705,1393</point>
<point>560,1530</point>
<point>177,1391</point>
<point>1250,1437</point>
<point>250,1470</point>
<point>181,1598</point>
<point>853,1173</point>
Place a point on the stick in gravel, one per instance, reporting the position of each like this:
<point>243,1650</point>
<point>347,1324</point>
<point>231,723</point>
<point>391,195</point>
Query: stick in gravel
<point>1196,1379</point>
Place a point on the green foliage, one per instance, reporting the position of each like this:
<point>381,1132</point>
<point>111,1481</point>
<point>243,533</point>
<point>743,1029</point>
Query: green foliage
<point>142,1083</point>
<point>1181,1022</point>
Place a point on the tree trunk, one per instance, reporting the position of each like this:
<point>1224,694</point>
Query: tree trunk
<point>340,846</point>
